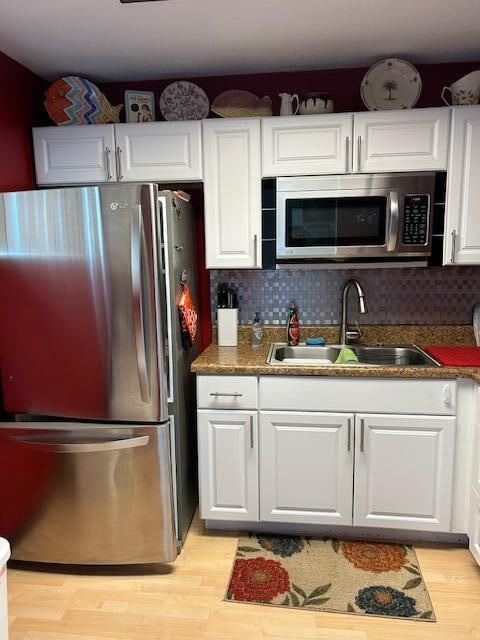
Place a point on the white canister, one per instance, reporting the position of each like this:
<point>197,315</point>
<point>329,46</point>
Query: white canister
<point>4,556</point>
<point>227,320</point>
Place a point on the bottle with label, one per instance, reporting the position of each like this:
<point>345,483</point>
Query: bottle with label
<point>293,328</point>
<point>257,331</point>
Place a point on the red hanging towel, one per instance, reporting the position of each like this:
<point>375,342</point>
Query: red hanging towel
<point>188,317</point>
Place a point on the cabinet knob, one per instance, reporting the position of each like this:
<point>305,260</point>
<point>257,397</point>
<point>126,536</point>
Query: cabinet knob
<point>447,394</point>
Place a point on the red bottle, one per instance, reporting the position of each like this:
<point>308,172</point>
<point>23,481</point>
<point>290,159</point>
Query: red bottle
<point>293,328</point>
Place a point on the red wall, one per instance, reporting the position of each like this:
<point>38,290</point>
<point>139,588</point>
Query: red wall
<point>342,84</point>
<point>20,98</point>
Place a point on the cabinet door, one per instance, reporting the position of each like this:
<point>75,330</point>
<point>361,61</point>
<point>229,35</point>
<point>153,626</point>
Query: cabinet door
<point>407,140</point>
<point>306,462</point>
<point>228,465</point>
<point>404,471</point>
<point>159,151</point>
<point>232,189</point>
<point>474,533</point>
<point>306,145</point>
<point>74,154</point>
<point>462,230</point>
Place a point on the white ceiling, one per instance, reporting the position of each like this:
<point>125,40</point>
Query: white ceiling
<point>106,40</point>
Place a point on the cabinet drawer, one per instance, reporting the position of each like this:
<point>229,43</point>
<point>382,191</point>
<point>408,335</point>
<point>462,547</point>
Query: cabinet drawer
<point>358,395</point>
<point>227,392</point>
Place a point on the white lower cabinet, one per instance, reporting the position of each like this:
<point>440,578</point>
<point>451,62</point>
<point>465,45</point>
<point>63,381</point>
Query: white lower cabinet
<point>474,533</point>
<point>404,471</point>
<point>228,465</point>
<point>306,467</point>
<point>324,467</point>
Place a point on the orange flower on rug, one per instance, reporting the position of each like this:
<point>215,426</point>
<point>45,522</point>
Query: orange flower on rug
<point>365,578</point>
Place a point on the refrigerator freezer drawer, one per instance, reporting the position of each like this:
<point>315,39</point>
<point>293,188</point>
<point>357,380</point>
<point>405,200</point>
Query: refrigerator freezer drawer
<point>87,494</point>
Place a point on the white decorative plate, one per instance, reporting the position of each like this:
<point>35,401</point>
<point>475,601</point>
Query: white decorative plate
<point>184,100</point>
<point>391,84</point>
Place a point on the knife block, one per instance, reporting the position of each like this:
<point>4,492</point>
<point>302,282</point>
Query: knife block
<point>227,321</point>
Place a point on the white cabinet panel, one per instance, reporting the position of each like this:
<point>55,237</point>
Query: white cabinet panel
<point>404,471</point>
<point>306,145</point>
<point>474,533</point>
<point>312,393</point>
<point>462,226</point>
<point>159,151</point>
<point>232,189</point>
<point>407,140</point>
<point>306,464</point>
<point>74,154</point>
<point>228,465</point>
<point>227,392</point>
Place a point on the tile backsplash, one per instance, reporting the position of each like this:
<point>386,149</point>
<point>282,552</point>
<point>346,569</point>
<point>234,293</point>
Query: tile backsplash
<point>434,295</point>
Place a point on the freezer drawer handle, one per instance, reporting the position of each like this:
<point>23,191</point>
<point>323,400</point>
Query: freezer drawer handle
<point>81,447</point>
<point>137,301</point>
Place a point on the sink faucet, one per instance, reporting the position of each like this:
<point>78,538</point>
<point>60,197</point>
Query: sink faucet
<point>346,335</point>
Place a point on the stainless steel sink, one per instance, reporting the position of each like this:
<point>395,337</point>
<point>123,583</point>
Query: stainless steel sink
<point>383,355</point>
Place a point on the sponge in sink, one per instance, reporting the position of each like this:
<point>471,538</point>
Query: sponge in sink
<point>315,341</point>
<point>346,356</point>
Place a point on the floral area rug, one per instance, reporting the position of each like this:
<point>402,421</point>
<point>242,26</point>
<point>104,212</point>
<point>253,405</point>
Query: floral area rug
<point>325,574</point>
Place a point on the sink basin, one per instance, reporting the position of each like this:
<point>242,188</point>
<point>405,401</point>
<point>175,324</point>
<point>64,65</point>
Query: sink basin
<point>383,355</point>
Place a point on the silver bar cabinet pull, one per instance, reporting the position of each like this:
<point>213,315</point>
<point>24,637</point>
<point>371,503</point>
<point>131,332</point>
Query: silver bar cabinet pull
<point>359,153</point>
<point>234,394</point>
<point>251,432</point>
<point>362,435</point>
<point>119,163</point>
<point>255,249</point>
<point>454,242</point>
<point>349,422</point>
<point>347,154</point>
<point>107,163</point>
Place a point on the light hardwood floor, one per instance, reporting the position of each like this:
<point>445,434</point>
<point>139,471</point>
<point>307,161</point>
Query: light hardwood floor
<point>185,601</point>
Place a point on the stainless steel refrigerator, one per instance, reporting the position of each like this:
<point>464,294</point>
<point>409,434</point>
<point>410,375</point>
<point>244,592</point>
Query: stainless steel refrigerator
<point>97,465</point>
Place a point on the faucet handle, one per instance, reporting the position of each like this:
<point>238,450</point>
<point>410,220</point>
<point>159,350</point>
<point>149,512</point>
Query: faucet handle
<point>353,335</point>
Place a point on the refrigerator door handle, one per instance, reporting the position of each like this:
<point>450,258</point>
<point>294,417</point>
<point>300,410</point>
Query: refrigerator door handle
<point>137,303</point>
<point>77,447</point>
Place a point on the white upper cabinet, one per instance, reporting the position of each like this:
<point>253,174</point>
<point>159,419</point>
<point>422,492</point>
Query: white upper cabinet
<point>159,151</point>
<point>306,462</point>
<point>232,190</point>
<point>462,214</point>
<point>306,145</point>
<point>155,151</point>
<point>406,140</point>
<point>404,471</point>
<point>74,155</point>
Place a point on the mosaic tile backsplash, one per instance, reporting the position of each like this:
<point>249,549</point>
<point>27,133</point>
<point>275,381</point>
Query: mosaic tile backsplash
<point>434,295</point>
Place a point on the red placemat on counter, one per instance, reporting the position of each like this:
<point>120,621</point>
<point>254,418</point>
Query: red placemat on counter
<point>455,356</point>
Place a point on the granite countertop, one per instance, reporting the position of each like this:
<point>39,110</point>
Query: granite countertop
<point>245,360</point>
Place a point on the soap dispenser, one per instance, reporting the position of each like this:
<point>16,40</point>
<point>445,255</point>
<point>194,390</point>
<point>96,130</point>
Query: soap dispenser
<point>257,331</point>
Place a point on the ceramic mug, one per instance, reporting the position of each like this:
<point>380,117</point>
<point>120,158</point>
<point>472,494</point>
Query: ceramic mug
<point>464,91</point>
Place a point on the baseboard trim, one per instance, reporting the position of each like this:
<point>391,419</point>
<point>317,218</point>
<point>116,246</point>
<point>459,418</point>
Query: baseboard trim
<point>361,533</point>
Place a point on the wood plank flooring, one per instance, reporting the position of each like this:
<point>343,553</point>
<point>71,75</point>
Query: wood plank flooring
<point>184,601</point>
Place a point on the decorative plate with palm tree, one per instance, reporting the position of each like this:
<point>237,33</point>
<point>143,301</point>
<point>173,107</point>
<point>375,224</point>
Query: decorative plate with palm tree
<point>391,84</point>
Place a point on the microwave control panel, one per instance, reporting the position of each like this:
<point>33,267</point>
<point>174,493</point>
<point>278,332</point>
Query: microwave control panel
<point>415,219</point>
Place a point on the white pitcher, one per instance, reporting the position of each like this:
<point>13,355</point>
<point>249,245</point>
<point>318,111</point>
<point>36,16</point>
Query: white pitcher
<point>464,91</point>
<point>286,105</point>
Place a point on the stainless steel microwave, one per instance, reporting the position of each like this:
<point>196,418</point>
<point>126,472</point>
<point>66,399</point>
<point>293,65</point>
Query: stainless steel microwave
<point>354,217</point>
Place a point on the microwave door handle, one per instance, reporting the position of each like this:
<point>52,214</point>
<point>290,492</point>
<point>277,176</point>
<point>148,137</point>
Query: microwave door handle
<point>392,227</point>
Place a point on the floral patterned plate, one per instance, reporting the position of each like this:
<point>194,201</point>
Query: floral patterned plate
<point>391,84</point>
<point>184,100</point>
